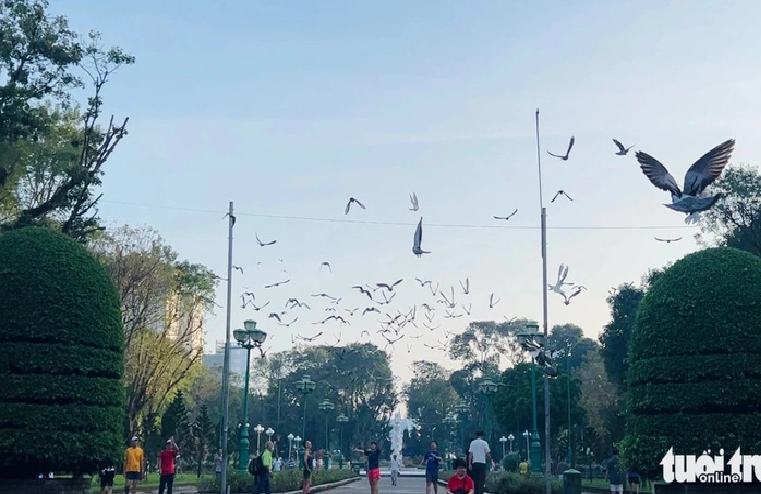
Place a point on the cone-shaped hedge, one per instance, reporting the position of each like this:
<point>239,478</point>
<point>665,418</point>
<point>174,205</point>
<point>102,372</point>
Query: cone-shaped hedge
<point>695,361</point>
<point>61,357</point>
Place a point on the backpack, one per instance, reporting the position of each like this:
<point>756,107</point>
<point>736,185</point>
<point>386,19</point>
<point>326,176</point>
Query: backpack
<point>256,467</point>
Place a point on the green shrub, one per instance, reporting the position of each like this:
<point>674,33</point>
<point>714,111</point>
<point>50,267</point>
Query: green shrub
<point>512,483</point>
<point>62,359</point>
<point>511,462</point>
<point>694,378</point>
<point>283,481</point>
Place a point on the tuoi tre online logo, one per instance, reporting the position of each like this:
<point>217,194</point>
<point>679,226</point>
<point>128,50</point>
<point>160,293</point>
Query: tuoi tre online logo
<point>705,469</point>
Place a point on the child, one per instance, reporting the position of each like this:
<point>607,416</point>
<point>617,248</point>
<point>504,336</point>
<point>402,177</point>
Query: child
<point>107,477</point>
<point>460,483</point>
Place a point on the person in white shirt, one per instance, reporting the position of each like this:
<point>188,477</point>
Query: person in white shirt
<point>394,469</point>
<point>277,464</point>
<point>479,453</point>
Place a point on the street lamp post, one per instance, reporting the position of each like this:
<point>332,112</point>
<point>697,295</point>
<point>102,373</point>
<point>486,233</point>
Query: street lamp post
<point>487,387</point>
<point>270,432</point>
<point>250,337</point>
<point>527,435</point>
<point>297,440</point>
<point>258,429</point>
<point>462,409</point>
<point>341,419</point>
<point>290,445</point>
<point>511,438</point>
<point>532,333</point>
<point>305,385</point>
<point>568,399</point>
<point>503,440</point>
<point>326,405</point>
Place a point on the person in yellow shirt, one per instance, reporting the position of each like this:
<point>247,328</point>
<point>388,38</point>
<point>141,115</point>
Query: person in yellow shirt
<point>523,467</point>
<point>263,482</point>
<point>133,466</point>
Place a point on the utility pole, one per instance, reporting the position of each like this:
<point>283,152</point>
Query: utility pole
<point>226,368</point>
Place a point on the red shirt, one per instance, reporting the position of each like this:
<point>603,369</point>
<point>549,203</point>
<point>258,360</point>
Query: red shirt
<point>456,483</point>
<point>166,461</point>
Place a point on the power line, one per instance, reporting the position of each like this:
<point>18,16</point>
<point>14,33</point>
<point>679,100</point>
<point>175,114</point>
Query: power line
<point>392,223</point>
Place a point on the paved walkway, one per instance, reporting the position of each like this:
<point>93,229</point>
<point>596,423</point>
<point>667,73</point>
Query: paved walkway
<point>404,485</point>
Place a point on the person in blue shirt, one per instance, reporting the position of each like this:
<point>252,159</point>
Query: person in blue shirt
<point>432,459</point>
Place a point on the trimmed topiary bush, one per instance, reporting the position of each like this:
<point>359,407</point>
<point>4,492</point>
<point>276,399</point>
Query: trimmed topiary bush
<point>62,358</point>
<point>695,361</point>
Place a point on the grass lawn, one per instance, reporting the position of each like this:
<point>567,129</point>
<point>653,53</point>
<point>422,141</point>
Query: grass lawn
<point>151,481</point>
<point>604,484</point>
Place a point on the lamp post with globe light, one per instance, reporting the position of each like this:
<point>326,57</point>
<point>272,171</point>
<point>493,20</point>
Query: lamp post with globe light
<point>270,432</point>
<point>250,337</point>
<point>290,445</point>
<point>527,435</point>
<point>451,420</point>
<point>297,440</point>
<point>511,438</point>
<point>305,385</point>
<point>341,419</point>
<point>532,333</point>
<point>325,406</point>
<point>487,387</point>
<point>462,410</point>
<point>503,440</point>
<point>258,429</point>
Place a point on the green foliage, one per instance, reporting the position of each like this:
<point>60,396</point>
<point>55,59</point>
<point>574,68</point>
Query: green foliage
<point>429,397</point>
<point>570,336</point>
<point>511,462</point>
<point>511,483</point>
<point>175,422</point>
<point>202,430</point>
<point>735,220</point>
<point>694,380</point>
<point>283,481</point>
<point>602,401</point>
<point>48,167</point>
<point>62,360</point>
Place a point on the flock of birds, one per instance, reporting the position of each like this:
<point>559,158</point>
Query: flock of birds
<point>421,319</point>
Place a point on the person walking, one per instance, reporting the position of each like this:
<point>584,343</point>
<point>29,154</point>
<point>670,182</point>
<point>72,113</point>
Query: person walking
<point>614,474</point>
<point>373,465</point>
<point>479,453</point>
<point>307,463</point>
<point>562,466</point>
<point>167,461</point>
<point>394,465</point>
<point>219,462</point>
<point>278,464</point>
<point>432,459</point>
<point>633,478</point>
<point>133,466</point>
<point>263,479</point>
<point>107,477</point>
<point>468,456</point>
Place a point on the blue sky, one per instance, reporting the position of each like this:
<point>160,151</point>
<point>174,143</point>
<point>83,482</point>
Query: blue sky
<point>288,108</point>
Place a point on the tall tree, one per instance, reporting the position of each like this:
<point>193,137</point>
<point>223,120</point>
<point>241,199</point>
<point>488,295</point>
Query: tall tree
<point>429,396</point>
<point>164,302</point>
<point>601,399</point>
<point>41,59</point>
<point>175,422</point>
<point>570,336</point>
<point>735,220</point>
<point>203,436</point>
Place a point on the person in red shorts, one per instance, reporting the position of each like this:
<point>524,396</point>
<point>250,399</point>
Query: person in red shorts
<point>460,483</point>
<point>373,465</point>
<point>167,460</point>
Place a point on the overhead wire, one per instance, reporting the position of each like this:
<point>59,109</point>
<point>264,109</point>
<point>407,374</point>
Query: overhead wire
<point>393,223</point>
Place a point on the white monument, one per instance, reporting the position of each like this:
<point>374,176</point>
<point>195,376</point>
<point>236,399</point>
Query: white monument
<point>398,425</point>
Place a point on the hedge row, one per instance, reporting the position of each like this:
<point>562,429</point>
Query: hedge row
<point>61,389</point>
<point>513,483</point>
<point>695,361</point>
<point>283,481</point>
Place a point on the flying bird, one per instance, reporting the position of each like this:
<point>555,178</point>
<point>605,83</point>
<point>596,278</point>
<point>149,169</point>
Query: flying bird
<point>353,200</point>
<point>562,275</point>
<point>622,150</point>
<point>414,201</point>
<point>506,217</point>
<point>466,286</point>
<point>568,152</point>
<point>263,244</point>
<point>274,315</point>
<point>700,175</point>
<point>577,290</point>
<point>239,269</point>
<point>259,308</point>
<point>370,309</point>
<point>311,338</point>
<point>325,264</point>
<point>467,309</point>
<point>273,285</point>
<point>288,324</point>
<point>418,240</point>
<point>422,283</point>
<point>561,193</point>
<point>389,287</point>
<point>364,290</point>
<point>492,302</point>
<point>668,240</point>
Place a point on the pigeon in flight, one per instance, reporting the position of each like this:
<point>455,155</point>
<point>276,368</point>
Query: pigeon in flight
<point>562,193</point>
<point>562,275</point>
<point>492,302</point>
<point>273,285</point>
<point>506,217</point>
<point>418,240</point>
<point>351,200</point>
<point>466,286</point>
<point>567,153</point>
<point>622,150</point>
<point>389,287</point>
<point>414,201</point>
<point>668,240</point>
<point>700,175</point>
<point>325,264</point>
<point>577,290</point>
<point>239,269</point>
<point>263,244</point>
<point>370,309</point>
<point>422,283</point>
<point>364,290</point>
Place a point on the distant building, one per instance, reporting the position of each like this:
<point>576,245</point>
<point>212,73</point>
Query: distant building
<point>217,359</point>
<point>180,319</point>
